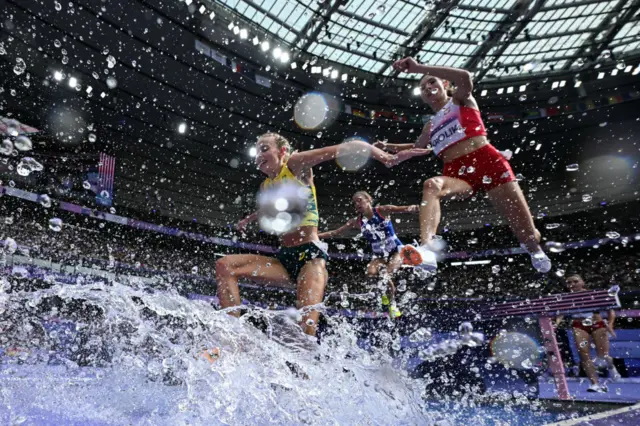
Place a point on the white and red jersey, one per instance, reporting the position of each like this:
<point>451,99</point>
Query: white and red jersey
<point>452,124</point>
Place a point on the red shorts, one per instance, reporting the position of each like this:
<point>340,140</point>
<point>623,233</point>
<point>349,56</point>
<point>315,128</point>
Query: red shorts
<point>577,323</point>
<point>483,169</point>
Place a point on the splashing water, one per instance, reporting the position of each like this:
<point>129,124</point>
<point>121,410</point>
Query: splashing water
<point>141,356</point>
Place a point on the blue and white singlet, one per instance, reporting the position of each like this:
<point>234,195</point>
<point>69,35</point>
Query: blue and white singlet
<point>380,233</point>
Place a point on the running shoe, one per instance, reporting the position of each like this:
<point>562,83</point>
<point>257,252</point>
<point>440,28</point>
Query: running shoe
<point>596,387</point>
<point>394,312</point>
<point>419,256</point>
<point>539,260</point>
<point>613,374</point>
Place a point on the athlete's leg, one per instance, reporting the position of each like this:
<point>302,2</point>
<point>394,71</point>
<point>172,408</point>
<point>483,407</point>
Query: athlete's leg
<point>259,269</point>
<point>373,268</point>
<point>509,200</point>
<point>435,189</point>
<point>601,340</point>
<point>395,261</point>
<point>582,344</point>
<point>312,280</point>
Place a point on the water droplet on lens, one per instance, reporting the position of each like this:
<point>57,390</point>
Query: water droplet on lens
<point>9,246</point>
<point>486,180</point>
<point>95,75</point>
<point>613,235</point>
<point>553,100</point>
<point>621,65</point>
<point>495,269</point>
<point>603,124</point>
<point>471,169</point>
<point>57,6</point>
<point>112,83</point>
<point>586,198</point>
<point>55,224</point>
<point>572,167</point>
<point>523,98</point>
<point>23,143</point>
<point>579,62</point>
<point>20,66</point>
<point>92,137</point>
<point>86,184</point>
<point>552,225</point>
<point>606,54</point>
<point>112,210</point>
<point>45,201</point>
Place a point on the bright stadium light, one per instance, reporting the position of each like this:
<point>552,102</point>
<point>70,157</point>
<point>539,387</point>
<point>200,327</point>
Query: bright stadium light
<point>277,52</point>
<point>256,40</point>
<point>416,91</point>
<point>202,9</point>
<point>284,58</point>
<point>253,151</point>
<point>182,128</point>
<point>73,82</point>
<point>265,46</point>
<point>244,33</point>
<point>58,75</point>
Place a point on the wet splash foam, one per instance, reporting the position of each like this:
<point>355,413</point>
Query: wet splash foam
<point>113,354</point>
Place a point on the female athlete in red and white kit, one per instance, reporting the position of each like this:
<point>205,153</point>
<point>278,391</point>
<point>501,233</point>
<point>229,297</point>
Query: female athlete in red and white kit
<point>457,135</point>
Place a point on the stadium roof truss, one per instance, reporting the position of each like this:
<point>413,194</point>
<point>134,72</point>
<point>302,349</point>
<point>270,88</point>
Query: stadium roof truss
<point>491,38</point>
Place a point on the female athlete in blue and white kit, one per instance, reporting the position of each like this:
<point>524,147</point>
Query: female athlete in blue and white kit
<point>376,227</point>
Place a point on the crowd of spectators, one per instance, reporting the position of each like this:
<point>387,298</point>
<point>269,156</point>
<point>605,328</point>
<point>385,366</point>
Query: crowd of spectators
<point>89,242</point>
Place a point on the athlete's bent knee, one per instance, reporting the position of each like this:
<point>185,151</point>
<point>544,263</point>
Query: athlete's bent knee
<point>433,186</point>
<point>223,267</point>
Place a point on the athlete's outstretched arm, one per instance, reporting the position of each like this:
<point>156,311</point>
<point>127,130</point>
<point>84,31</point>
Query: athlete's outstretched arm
<point>352,223</point>
<point>240,226</point>
<point>393,147</point>
<point>398,209</point>
<point>459,77</point>
<point>307,159</point>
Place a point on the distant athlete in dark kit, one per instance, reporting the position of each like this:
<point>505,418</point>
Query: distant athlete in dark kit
<point>457,135</point>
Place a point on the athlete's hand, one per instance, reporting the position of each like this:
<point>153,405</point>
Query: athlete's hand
<point>408,65</point>
<point>406,154</point>
<point>242,225</point>
<point>381,144</point>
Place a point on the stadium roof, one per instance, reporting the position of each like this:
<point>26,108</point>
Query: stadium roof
<point>492,38</point>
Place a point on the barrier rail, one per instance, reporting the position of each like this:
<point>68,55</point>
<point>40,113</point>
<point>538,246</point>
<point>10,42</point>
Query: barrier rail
<point>545,308</point>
